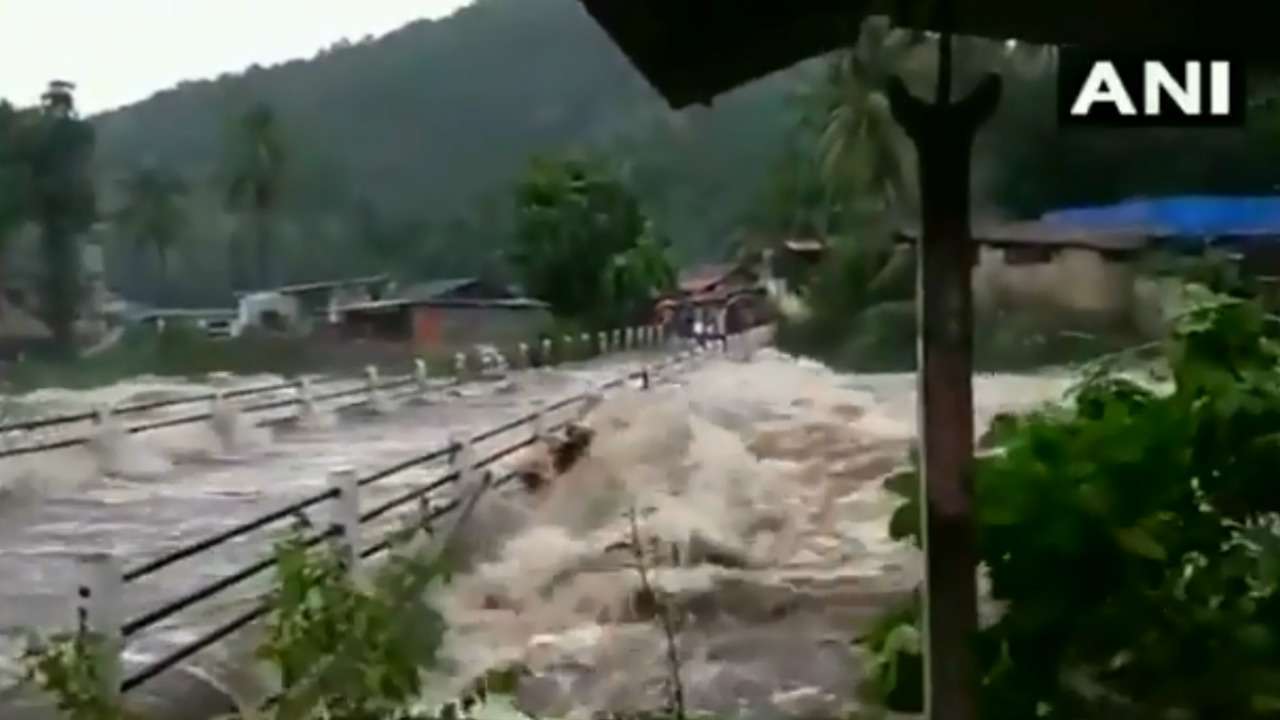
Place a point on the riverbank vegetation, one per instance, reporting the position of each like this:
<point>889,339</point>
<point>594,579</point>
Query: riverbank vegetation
<point>584,245</point>
<point>1131,540</point>
<point>352,645</point>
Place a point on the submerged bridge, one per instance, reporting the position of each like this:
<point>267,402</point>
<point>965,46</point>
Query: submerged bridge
<point>115,593</point>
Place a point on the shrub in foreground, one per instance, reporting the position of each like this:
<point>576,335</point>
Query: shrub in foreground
<point>1132,540</point>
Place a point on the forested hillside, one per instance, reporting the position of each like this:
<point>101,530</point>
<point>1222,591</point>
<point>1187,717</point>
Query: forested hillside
<point>404,148</point>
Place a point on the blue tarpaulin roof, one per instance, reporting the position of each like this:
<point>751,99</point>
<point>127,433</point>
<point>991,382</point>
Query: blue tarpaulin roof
<point>1181,220</point>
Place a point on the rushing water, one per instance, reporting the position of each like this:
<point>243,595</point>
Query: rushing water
<point>144,494</point>
<point>772,462</point>
<point>765,522</point>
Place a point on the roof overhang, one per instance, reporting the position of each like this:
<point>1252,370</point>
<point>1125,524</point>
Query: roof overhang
<point>694,50</point>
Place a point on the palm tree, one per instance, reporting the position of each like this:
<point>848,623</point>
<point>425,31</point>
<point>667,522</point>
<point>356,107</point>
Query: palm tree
<point>57,147</point>
<point>256,177</point>
<point>154,215</point>
<point>860,145</point>
<point>14,173</point>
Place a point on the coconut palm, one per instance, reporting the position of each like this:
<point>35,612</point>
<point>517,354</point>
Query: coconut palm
<point>860,145</point>
<point>257,173</point>
<point>57,147</point>
<point>15,174</point>
<point>154,214</point>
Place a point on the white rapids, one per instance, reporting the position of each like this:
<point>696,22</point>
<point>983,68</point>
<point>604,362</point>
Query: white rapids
<point>755,477</point>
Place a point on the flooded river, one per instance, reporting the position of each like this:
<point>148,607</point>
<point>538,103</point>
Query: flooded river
<point>176,485</point>
<point>764,475</point>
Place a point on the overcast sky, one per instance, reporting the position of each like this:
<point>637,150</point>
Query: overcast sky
<point>121,51</point>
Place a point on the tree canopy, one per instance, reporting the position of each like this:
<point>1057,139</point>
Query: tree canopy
<point>583,244</point>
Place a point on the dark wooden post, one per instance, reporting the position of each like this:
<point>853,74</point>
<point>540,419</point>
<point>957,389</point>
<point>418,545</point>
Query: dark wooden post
<point>943,134</point>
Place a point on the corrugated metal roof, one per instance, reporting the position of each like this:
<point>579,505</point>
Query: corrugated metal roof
<point>696,278</point>
<point>1041,233</point>
<point>435,288</point>
<point>398,303</point>
<point>1180,219</point>
<point>322,285</point>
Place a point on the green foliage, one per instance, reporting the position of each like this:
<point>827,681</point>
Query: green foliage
<point>15,172</point>
<point>428,121</point>
<point>45,156</point>
<point>860,309</point>
<point>1132,537</point>
<point>68,669</point>
<point>154,214</point>
<point>343,651</point>
<point>256,173</point>
<point>896,672</point>
<point>860,144</point>
<point>1214,269</point>
<point>583,243</point>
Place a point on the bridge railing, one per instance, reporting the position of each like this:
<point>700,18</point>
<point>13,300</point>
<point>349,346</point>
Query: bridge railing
<point>553,351</point>
<point>99,606</point>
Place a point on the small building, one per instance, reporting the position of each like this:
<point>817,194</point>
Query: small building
<point>1075,272</point>
<point>1245,226</point>
<point>444,316</point>
<point>710,279</point>
<point>713,299</point>
<point>304,305</point>
<point>270,310</point>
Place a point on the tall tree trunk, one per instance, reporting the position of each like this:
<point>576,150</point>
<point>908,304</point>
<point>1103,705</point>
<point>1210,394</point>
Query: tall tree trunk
<point>263,232</point>
<point>236,265</point>
<point>61,282</point>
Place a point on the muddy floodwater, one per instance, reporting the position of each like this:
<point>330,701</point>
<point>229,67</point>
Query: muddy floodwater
<point>757,480</point>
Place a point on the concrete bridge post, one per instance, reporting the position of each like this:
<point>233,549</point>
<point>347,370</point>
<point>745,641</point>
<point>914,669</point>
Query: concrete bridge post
<point>306,403</point>
<point>371,384</point>
<point>344,518</point>
<point>99,616</point>
<point>460,367</point>
<point>525,360</point>
<point>539,422</point>
<point>464,461</point>
<point>224,419</point>
<point>420,375</point>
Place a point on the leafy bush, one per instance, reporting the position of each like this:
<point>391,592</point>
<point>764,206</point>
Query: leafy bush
<point>842,324</point>
<point>345,652</point>
<point>1133,538</point>
<point>68,668</point>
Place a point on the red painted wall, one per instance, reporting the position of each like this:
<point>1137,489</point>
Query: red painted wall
<point>427,327</point>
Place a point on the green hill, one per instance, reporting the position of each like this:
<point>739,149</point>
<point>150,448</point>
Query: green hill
<point>402,149</point>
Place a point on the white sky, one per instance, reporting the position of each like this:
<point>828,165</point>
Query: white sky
<point>120,51</point>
